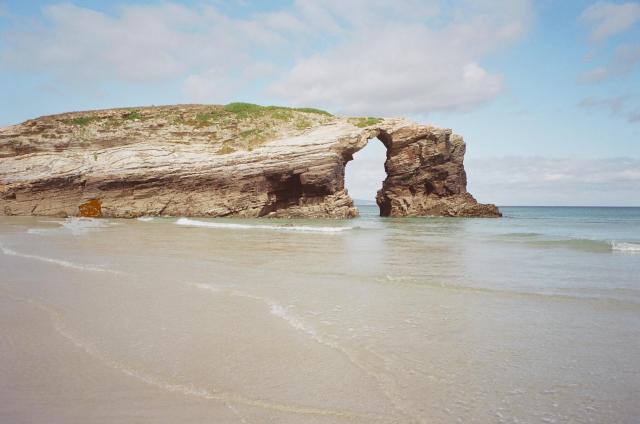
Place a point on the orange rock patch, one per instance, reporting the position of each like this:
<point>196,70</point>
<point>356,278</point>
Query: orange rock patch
<point>91,209</point>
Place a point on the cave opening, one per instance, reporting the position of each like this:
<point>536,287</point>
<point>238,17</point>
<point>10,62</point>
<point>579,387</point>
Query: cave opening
<point>364,175</point>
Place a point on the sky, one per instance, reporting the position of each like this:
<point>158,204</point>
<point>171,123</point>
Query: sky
<point>545,93</point>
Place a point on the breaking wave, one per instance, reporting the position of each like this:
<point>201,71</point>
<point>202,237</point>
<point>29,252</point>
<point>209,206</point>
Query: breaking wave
<point>584,244</point>
<point>232,226</point>
<point>75,226</point>
<point>625,247</point>
<point>145,218</point>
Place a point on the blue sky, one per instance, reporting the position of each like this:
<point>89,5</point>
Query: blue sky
<point>546,93</point>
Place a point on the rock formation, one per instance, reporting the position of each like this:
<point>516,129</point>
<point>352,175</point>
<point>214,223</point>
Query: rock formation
<point>237,160</point>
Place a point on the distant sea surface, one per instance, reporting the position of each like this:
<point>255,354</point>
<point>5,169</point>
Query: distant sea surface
<point>531,318</point>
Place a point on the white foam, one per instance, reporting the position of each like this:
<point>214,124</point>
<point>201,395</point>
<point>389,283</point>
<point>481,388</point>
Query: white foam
<point>232,226</point>
<point>145,218</point>
<point>207,287</point>
<point>54,261</point>
<point>274,308</point>
<point>75,226</point>
<point>295,322</point>
<point>43,231</point>
<point>626,247</point>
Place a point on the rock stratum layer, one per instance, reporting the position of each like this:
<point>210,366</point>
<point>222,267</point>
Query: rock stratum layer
<point>235,160</point>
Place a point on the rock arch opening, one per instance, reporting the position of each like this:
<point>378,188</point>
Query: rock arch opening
<point>365,173</point>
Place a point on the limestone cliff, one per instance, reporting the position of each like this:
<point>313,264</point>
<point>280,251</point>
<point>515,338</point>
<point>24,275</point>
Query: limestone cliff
<point>234,160</point>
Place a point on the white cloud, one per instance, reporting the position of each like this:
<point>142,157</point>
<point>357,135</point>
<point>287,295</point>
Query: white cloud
<point>520,180</point>
<point>357,56</point>
<point>543,181</point>
<point>606,19</point>
<point>390,62</point>
<point>141,43</point>
<point>365,173</point>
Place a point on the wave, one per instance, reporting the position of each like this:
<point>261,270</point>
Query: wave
<point>295,322</point>
<point>145,218</point>
<point>274,308</point>
<point>577,244</point>
<point>589,245</point>
<point>74,225</point>
<point>232,226</point>
<point>625,247</point>
<point>59,262</point>
<point>584,244</point>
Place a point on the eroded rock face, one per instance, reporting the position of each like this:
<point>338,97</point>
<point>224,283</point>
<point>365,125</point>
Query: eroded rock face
<point>157,166</point>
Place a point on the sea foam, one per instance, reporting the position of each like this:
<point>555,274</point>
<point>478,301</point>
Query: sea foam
<point>75,226</point>
<point>232,226</point>
<point>275,308</point>
<point>295,322</point>
<point>625,247</point>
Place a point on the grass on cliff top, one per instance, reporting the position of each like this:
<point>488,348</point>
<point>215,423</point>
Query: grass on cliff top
<point>250,109</point>
<point>133,115</point>
<point>365,122</point>
<point>80,121</point>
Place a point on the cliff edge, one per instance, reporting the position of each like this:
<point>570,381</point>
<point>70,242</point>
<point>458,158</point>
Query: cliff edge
<point>235,160</point>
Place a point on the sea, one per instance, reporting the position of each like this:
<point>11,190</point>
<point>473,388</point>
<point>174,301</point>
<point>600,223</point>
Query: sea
<point>529,318</point>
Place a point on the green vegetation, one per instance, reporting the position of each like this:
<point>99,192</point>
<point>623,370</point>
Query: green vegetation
<point>235,127</point>
<point>282,114</point>
<point>203,117</point>
<point>79,121</point>
<point>244,109</point>
<point>303,124</point>
<point>312,110</point>
<point>130,116</point>
<point>279,112</point>
<point>254,137</point>
<point>211,115</point>
<point>365,122</point>
<point>252,133</point>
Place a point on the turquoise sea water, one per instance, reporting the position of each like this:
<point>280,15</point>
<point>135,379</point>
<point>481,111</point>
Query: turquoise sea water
<point>577,251</point>
<point>530,318</point>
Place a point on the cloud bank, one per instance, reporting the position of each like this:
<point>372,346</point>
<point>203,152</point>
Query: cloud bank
<point>352,56</point>
<point>542,181</point>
